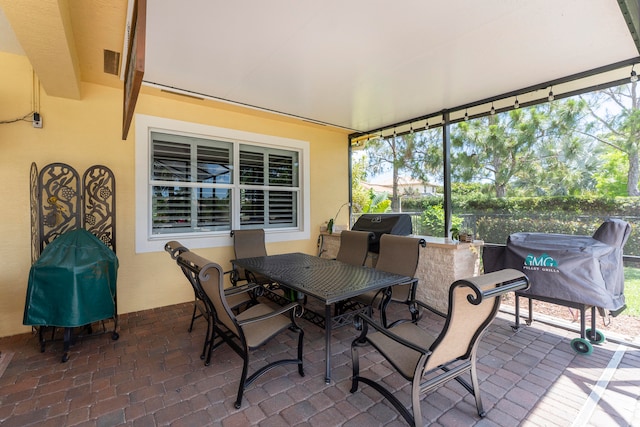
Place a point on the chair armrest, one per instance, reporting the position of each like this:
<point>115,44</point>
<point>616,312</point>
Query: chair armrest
<point>247,287</point>
<point>388,333</point>
<point>428,307</point>
<point>510,280</point>
<point>277,312</point>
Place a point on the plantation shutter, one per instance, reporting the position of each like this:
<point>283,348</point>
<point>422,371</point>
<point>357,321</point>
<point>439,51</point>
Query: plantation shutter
<point>269,187</point>
<point>171,204</point>
<point>191,180</point>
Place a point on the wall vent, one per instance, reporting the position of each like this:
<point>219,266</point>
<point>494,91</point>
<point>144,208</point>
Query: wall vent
<point>111,62</point>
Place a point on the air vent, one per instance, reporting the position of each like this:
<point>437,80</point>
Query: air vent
<point>111,62</point>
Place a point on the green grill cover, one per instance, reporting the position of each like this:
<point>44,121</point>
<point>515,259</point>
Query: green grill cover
<point>73,283</point>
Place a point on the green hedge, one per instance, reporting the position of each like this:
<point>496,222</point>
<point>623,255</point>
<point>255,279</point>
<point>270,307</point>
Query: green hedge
<point>493,220</point>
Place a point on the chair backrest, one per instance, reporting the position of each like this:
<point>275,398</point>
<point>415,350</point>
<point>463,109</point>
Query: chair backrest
<point>468,316</point>
<point>248,244</point>
<point>175,249</point>
<point>209,279</point>
<point>354,247</point>
<point>399,254</point>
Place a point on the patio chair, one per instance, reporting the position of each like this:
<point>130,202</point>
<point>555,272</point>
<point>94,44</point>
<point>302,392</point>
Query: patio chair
<point>236,300</point>
<point>246,331</point>
<point>354,247</point>
<point>248,244</point>
<point>399,255</point>
<point>429,361</point>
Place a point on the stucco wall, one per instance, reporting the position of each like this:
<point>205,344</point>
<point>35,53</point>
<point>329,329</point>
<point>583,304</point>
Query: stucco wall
<point>87,132</point>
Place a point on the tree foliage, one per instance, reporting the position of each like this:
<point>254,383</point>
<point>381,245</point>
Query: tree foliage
<point>618,127</point>
<point>577,146</point>
<point>533,151</point>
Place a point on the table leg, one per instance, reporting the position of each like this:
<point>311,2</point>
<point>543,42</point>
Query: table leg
<point>327,337</point>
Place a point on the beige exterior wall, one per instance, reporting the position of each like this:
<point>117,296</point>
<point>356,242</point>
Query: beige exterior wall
<point>85,132</point>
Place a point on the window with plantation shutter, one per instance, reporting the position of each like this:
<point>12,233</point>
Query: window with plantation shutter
<point>192,185</point>
<point>195,183</point>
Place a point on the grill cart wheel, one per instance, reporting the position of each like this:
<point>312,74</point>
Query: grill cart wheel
<point>597,338</point>
<point>582,346</point>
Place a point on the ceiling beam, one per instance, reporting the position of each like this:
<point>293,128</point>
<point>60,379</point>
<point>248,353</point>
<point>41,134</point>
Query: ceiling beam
<point>43,29</point>
<point>631,12</point>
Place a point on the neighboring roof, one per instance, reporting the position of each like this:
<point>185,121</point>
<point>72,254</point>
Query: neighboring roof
<point>386,184</point>
<point>357,64</point>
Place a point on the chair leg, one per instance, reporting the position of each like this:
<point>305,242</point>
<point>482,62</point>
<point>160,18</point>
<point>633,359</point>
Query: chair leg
<point>414,309</point>
<point>243,378</point>
<point>208,342</point>
<point>193,316</point>
<point>355,363</point>
<point>476,386</point>
<point>384,303</point>
<point>415,401</point>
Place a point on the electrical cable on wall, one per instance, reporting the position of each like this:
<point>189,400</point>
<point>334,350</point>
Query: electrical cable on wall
<point>23,118</point>
<point>35,101</point>
<point>33,115</point>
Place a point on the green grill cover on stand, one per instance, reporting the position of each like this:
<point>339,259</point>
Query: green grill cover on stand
<point>73,283</point>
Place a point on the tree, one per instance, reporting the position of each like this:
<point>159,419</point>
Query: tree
<point>611,179</point>
<point>527,148</point>
<point>365,200</point>
<point>395,154</point>
<point>418,154</point>
<point>360,198</point>
<point>619,126</point>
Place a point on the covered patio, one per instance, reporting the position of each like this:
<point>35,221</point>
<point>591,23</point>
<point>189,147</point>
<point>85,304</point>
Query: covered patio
<point>295,70</point>
<point>153,376</point>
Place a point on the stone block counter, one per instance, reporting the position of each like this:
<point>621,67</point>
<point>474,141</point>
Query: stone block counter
<point>441,263</point>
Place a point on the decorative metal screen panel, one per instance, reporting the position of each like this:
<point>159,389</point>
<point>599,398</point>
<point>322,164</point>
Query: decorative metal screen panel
<point>99,208</point>
<point>61,201</point>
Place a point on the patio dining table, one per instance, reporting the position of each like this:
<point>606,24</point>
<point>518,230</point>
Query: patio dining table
<point>326,280</point>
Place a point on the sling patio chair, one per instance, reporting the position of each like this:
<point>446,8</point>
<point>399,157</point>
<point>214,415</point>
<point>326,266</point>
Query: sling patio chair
<point>236,299</point>
<point>249,330</point>
<point>248,244</point>
<point>354,248</point>
<point>429,361</point>
<point>399,255</point>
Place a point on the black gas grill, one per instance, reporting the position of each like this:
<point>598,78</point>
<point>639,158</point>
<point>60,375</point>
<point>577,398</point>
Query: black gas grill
<point>379,224</point>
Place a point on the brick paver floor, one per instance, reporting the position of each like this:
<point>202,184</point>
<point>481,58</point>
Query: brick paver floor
<point>153,375</point>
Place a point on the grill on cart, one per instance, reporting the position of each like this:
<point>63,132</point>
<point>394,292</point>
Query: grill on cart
<point>582,272</point>
<point>72,284</point>
<point>379,224</point>
<point>72,281</point>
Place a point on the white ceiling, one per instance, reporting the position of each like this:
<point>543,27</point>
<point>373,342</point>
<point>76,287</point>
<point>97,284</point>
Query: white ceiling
<point>364,64</point>
<point>354,64</point>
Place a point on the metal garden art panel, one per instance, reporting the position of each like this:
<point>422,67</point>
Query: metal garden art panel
<point>60,202</point>
<point>99,204</point>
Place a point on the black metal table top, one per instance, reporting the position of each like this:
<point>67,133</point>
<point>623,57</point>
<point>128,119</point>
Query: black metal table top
<point>328,280</point>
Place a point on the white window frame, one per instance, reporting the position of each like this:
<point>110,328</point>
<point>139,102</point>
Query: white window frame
<point>147,242</point>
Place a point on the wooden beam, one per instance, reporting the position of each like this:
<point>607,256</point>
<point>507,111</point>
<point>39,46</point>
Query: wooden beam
<point>135,64</point>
